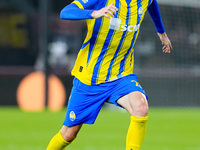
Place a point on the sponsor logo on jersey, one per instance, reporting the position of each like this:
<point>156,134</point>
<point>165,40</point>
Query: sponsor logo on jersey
<point>115,24</point>
<point>130,28</point>
<point>85,1</point>
<point>72,116</point>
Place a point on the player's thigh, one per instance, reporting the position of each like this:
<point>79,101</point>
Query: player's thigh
<point>135,103</point>
<point>70,133</point>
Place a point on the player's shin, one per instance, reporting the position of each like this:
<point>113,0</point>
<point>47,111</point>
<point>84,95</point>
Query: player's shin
<point>136,133</point>
<point>57,142</point>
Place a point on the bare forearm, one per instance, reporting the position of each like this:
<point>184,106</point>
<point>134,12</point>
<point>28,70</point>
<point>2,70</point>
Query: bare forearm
<point>105,12</point>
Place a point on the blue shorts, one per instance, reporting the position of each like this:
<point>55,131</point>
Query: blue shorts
<point>87,100</point>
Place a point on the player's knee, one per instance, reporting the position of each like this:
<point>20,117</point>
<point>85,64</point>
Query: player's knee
<point>139,105</point>
<point>69,137</point>
<point>141,109</point>
<point>69,133</point>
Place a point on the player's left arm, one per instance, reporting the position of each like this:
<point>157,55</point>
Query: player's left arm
<point>154,12</point>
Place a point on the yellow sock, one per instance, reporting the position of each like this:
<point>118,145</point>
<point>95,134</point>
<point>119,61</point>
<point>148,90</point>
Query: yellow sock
<point>57,142</point>
<point>136,133</point>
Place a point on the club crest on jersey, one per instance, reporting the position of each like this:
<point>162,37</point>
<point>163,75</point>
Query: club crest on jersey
<point>140,12</point>
<point>72,116</point>
<point>85,1</point>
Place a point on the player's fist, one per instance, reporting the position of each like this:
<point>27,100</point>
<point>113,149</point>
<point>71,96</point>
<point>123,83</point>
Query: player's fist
<point>105,12</point>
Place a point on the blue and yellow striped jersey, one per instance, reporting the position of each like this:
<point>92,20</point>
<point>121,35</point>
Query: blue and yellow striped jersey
<point>108,50</point>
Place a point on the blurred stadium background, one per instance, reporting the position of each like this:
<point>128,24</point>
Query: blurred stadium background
<point>33,38</point>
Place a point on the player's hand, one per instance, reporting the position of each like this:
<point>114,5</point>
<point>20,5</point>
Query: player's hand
<point>105,12</point>
<point>166,42</point>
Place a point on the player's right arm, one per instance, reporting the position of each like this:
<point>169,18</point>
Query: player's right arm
<point>86,10</point>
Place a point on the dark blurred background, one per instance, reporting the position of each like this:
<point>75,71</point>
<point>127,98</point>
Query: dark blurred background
<point>168,79</point>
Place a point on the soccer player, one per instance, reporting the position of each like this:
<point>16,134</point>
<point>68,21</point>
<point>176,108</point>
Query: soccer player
<point>104,67</point>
